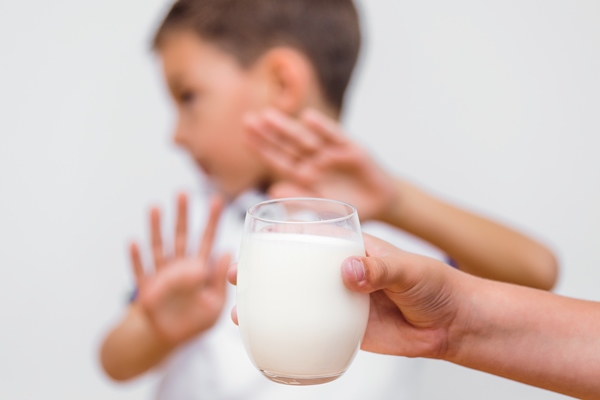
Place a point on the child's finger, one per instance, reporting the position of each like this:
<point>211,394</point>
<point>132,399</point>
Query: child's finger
<point>156,238</point>
<point>181,225</point>
<point>341,157</point>
<point>258,127</point>
<point>286,166</point>
<point>290,130</point>
<point>136,263</point>
<point>216,207</point>
<point>280,162</point>
<point>221,274</point>
<point>328,129</point>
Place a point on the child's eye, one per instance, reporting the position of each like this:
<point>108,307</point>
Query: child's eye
<point>187,97</point>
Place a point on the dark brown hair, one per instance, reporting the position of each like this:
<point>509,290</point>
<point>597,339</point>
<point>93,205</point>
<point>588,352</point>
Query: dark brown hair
<point>326,31</point>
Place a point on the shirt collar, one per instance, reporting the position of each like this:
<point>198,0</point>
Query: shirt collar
<point>244,201</point>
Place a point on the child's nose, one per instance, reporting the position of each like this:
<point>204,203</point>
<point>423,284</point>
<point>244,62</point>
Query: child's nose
<point>179,135</point>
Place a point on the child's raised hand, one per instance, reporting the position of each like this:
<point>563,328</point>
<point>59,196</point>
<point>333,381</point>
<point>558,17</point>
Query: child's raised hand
<point>312,157</point>
<point>184,295</point>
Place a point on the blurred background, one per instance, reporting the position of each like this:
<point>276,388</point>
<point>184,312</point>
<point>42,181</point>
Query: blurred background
<point>493,105</point>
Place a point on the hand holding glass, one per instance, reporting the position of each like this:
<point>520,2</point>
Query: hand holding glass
<point>299,323</point>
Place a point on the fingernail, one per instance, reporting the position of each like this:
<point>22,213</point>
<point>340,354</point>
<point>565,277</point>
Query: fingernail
<point>356,268</point>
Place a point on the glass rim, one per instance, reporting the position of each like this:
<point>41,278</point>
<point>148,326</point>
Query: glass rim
<point>351,214</point>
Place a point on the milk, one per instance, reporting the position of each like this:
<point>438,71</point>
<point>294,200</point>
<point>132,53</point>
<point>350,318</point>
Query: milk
<point>296,317</point>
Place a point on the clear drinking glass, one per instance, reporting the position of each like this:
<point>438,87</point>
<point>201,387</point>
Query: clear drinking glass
<point>300,325</point>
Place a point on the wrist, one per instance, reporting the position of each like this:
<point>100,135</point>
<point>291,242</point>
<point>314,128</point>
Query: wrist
<point>465,320</point>
<point>394,209</point>
<point>152,334</point>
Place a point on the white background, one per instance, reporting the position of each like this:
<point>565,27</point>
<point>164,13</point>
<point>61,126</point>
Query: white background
<point>492,105</point>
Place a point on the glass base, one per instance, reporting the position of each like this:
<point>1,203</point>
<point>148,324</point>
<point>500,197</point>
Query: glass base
<point>300,380</point>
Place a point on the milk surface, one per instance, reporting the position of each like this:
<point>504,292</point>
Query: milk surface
<point>296,317</point>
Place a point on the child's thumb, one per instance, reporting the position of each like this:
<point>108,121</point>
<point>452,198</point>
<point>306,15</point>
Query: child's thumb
<point>368,274</point>
<point>221,272</point>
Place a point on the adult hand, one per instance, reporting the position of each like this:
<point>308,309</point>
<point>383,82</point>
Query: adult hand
<point>184,295</point>
<point>417,303</point>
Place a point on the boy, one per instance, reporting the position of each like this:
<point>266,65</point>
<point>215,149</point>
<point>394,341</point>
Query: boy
<point>224,60</point>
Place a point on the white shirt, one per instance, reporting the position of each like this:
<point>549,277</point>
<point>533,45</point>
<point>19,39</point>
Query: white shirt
<point>215,366</point>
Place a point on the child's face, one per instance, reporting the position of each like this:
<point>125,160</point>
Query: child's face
<point>212,93</point>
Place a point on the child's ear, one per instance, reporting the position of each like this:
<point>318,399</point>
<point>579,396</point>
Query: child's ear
<point>291,79</point>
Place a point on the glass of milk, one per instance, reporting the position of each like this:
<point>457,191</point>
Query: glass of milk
<point>299,323</point>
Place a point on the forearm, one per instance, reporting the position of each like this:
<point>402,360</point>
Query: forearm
<point>479,246</point>
<point>531,336</point>
<point>132,347</point>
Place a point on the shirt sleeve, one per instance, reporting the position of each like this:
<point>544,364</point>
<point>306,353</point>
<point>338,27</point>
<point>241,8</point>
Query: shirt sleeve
<point>133,295</point>
<point>452,262</point>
